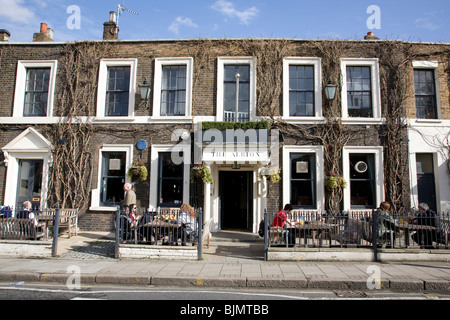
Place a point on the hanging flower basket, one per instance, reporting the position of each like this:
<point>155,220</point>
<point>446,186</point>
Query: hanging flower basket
<point>201,172</point>
<point>272,174</point>
<point>335,181</point>
<point>138,172</point>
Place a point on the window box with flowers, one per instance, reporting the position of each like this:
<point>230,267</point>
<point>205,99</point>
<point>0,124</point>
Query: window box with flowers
<point>138,172</point>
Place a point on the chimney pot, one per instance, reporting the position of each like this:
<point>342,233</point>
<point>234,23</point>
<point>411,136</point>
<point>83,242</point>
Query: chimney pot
<point>43,28</point>
<point>112,16</point>
<point>50,33</point>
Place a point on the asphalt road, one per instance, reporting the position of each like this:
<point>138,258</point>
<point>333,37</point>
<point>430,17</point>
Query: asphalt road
<point>29,291</point>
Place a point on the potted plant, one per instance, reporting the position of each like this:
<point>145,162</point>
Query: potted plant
<point>138,171</point>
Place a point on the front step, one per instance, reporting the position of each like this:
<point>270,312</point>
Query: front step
<point>235,236</point>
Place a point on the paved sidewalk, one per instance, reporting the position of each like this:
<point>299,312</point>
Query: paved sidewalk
<point>227,264</point>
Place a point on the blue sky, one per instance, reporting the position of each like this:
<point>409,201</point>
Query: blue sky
<point>410,20</point>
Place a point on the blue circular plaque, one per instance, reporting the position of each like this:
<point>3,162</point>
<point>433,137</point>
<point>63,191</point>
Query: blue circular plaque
<point>141,145</point>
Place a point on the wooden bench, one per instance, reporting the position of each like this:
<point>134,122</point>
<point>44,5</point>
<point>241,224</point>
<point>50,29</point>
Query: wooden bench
<point>69,219</point>
<point>19,229</point>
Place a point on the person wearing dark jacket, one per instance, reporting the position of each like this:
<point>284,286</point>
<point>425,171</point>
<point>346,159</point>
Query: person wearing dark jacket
<point>426,217</point>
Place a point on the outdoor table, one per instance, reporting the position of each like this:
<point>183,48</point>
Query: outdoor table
<point>406,229</point>
<point>316,228</point>
<point>166,226</point>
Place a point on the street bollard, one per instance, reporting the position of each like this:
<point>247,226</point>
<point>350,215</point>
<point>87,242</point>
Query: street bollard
<point>200,234</point>
<point>375,235</point>
<point>116,247</point>
<point>266,237</point>
<point>56,231</point>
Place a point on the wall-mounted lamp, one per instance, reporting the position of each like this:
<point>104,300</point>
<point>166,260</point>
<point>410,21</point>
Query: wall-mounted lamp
<point>330,90</point>
<point>236,166</point>
<point>145,90</point>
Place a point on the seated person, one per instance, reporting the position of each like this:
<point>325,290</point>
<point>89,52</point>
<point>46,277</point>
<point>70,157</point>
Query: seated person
<point>132,217</point>
<point>282,220</point>
<point>426,217</point>
<point>386,224</point>
<point>187,221</point>
<point>26,213</point>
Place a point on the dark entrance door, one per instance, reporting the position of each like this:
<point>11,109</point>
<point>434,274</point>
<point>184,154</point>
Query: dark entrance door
<point>426,186</point>
<point>236,194</point>
<point>29,184</point>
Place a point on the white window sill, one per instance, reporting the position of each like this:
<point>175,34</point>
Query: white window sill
<point>362,121</point>
<point>107,209</point>
<point>114,119</point>
<point>170,119</point>
<point>432,121</point>
<point>303,119</point>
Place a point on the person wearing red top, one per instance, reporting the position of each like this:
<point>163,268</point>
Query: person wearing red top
<point>281,219</point>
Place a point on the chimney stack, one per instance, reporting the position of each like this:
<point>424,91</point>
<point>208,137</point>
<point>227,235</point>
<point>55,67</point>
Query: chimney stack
<point>4,35</point>
<point>110,29</point>
<point>370,36</point>
<point>45,34</point>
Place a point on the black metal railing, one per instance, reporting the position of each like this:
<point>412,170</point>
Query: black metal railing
<point>359,229</point>
<point>166,226</point>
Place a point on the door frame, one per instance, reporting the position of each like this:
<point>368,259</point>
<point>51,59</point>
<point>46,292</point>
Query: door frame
<point>29,145</point>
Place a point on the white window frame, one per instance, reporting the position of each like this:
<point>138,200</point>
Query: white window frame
<point>154,171</point>
<point>21,83</point>
<point>128,149</point>
<point>221,62</point>
<point>375,83</point>
<point>159,64</point>
<point>430,65</point>
<point>379,167</point>
<point>103,85</point>
<point>320,181</point>
<point>317,64</point>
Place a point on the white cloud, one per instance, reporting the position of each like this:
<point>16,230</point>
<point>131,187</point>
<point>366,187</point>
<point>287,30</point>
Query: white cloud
<point>16,11</point>
<point>228,9</point>
<point>181,21</point>
<point>429,21</point>
<point>42,3</point>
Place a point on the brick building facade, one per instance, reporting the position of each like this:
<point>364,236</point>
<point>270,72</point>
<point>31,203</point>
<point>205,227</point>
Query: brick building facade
<point>370,134</point>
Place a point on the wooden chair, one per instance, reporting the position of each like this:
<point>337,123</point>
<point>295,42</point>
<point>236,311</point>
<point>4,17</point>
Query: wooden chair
<point>278,236</point>
<point>69,219</point>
